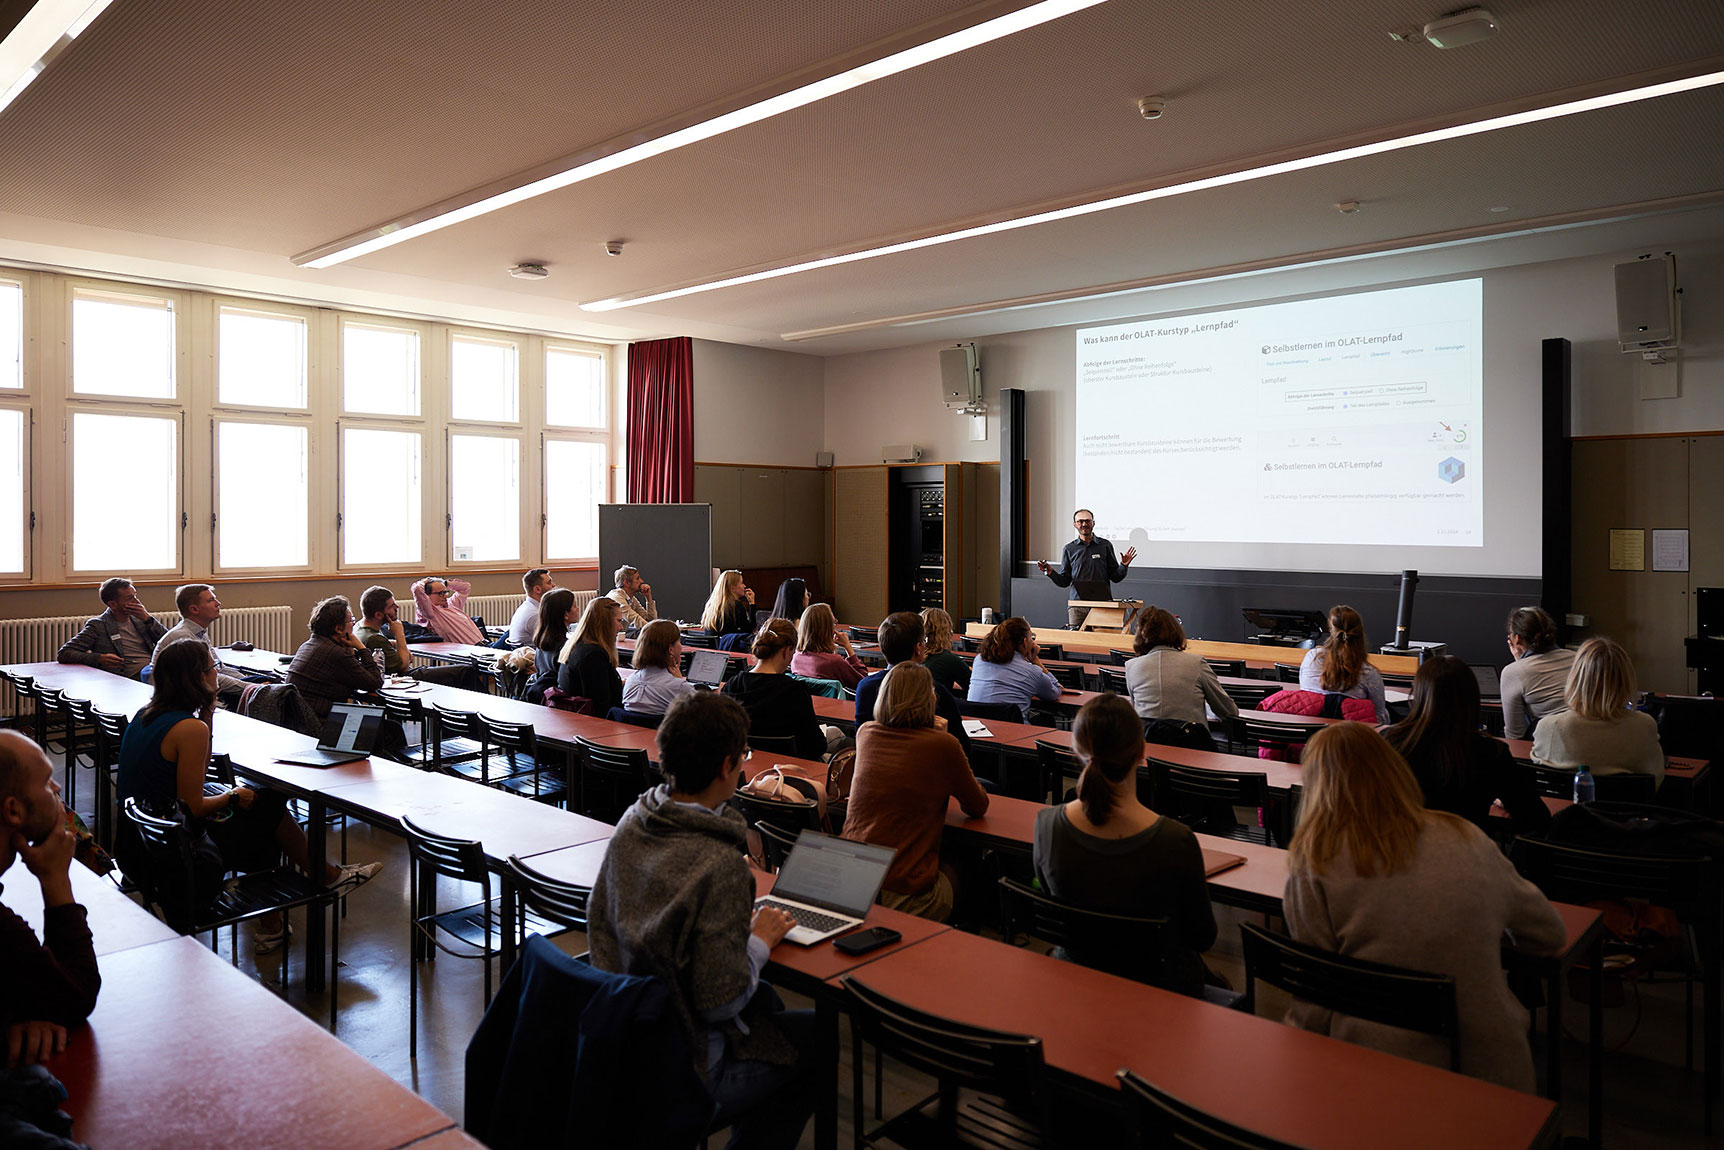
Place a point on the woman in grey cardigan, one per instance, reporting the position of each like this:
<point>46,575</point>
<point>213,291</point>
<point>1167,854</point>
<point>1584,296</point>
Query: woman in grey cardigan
<point>1375,876</point>
<point>1165,680</point>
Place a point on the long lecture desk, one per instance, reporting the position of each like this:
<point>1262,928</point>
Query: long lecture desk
<point>1101,642</point>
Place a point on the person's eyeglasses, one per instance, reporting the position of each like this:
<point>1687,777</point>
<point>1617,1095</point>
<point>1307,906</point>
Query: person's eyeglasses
<point>1084,522</point>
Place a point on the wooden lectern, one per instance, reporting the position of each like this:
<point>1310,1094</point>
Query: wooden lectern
<point>1107,614</point>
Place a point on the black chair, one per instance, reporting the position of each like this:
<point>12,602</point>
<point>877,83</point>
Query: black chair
<point>510,682</point>
<point>1558,783</point>
<point>1249,698</point>
<point>1051,650</point>
<point>705,640</point>
<point>474,931</point>
<point>527,773</point>
<point>1233,668</point>
<point>990,1083</point>
<point>1128,946</point>
<point>1204,799</point>
<point>110,734</point>
<point>544,905</point>
<point>612,778</point>
<point>1691,727</point>
<point>409,710</point>
<point>80,743</point>
<point>1057,764</point>
<point>775,847</point>
<point>164,872</point>
<point>441,746</point>
<point>55,730</point>
<point>1374,991</point>
<point>773,744</point>
<point>1005,712</point>
<point>1119,657</point>
<point>864,634</point>
<point>635,718</point>
<point>791,818</point>
<point>446,726</point>
<point>1068,675</point>
<point>17,690</point>
<point>1690,887</point>
<point>1287,672</point>
<point>1287,738</point>
<point>1113,681</point>
<point>1166,1123</point>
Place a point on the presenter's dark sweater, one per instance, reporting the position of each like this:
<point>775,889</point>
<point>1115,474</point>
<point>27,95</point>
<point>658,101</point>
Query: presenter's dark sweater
<point>1088,568</point>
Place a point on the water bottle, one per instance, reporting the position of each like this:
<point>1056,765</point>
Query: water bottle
<point>1584,788</point>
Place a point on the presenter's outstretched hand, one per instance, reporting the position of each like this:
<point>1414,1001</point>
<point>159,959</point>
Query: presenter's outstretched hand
<point>1130,554</point>
<point>1042,566</point>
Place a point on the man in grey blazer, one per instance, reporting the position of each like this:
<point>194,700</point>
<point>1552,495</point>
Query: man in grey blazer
<point>121,639</point>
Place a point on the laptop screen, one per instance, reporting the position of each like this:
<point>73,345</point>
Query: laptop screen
<point>707,667</point>
<point>832,872</point>
<point>1489,685</point>
<point>350,727</point>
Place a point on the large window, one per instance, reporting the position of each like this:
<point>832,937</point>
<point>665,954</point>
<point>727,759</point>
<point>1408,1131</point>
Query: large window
<point>484,498</point>
<point>262,495</point>
<point>574,487</point>
<point>484,380</point>
<point>122,345</point>
<point>380,369</point>
<point>125,492</point>
<point>14,490</point>
<point>574,388</point>
<point>260,359</point>
<point>381,497</point>
<point>11,334</point>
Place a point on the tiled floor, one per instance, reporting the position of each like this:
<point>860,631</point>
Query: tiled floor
<point>1652,1102</point>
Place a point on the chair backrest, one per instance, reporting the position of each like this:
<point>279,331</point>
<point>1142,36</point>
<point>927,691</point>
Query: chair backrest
<point>703,639</point>
<point>401,707</point>
<point>1688,886</point>
<point>780,813</point>
<point>954,1053</point>
<point>1247,698</point>
<point>773,744</point>
<point>514,738</point>
<point>1057,764</point>
<point>1261,736</point>
<point>1287,672</point>
<point>560,902</point>
<point>1006,712</point>
<point>453,724</point>
<point>1067,674</point>
<point>1178,733</point>
<point>864,634</point>
<point>1131,947</point>
<point>1051,650</point>
<point>219,769</point>
<point>612,778</point>
<point>80,710</point>
<point>1376,992</point>
<point>162,866</point>
<point>634,718</point>
<point>1113,681</point>
<point>1238,788</point>
<point>110,733</point>
<point>1233,667</point>
<point>1166,1123</point>
<point>1119,657</point>
<point>454,858</point>
<point>775,844</point>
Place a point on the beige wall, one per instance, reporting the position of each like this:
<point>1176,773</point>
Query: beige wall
<point>756,405</point>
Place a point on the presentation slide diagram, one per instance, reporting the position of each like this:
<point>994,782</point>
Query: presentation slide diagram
<point>1346,420</point>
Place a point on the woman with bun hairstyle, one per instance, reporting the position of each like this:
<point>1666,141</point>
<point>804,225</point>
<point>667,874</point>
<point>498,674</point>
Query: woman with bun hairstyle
<point>1340,666</point>
<point>778,706</point>
<point>1105,851</point>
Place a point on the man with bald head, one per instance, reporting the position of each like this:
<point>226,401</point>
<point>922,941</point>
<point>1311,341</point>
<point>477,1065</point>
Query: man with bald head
<point>49,984</point>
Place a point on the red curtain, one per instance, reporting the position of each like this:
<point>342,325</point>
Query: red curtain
<point>661,421</point>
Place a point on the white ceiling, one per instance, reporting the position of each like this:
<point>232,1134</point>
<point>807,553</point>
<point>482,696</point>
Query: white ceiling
<point>218,139</point>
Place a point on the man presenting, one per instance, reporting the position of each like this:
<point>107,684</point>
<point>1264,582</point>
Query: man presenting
<point>526,619</point>
<point>633,597</point>
<point>441,604</point>
<point>122,639</point>
<point>1087,566</point>
<point>198,608</point>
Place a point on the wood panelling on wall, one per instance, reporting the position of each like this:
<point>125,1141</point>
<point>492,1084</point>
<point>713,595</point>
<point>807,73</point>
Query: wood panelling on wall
<point>764,516</point>
<point>858,577</point>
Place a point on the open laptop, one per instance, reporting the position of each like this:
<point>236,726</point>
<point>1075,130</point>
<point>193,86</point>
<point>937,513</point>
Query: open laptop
<point>827,885</point>
<point>706,668</point>
<point>1490,685</point>
<point>348,735</point>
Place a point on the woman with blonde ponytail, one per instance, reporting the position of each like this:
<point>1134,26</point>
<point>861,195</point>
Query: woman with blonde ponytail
<point>1108,852</point>
<point>1340,665</point>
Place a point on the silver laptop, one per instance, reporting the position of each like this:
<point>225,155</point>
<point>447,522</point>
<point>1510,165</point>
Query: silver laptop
<point>827,885</point>
<point>348,735</point>
<point>706,668</point>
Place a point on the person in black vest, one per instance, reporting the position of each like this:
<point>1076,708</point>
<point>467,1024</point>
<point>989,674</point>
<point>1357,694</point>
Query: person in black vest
<point>1087,566</point>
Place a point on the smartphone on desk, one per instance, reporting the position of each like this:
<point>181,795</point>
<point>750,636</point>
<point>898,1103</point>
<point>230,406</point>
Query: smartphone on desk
<point>864,941</point>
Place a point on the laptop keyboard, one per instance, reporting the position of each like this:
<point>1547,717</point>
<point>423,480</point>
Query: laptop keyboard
<point>812,919</point>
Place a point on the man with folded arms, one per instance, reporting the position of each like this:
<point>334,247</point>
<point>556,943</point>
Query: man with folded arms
<point>122,639</point>
<point>441,604</point>
<point>51,984</point>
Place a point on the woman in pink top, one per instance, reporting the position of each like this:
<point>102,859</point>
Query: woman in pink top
<point>817,643</point>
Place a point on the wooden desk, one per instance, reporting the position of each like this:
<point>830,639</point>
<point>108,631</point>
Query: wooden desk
<point>1281,776</point>
<point>1301,1087</point>
<point>454,652</point>
<point>1096,642</point>
<point>1107,614</point>
<point>184,1050</point>
<point>116,922</point>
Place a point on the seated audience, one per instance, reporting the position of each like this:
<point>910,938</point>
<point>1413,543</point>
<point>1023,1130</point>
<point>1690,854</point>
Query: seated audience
<point>633,597</point>
<point>778,706</point>
<point>332,663</point>
<point>49,985</point>
<point>657,680</point>
<point>1165,680</point>
<point>1461,769</point>
<point>907,767</point>
<point>198,608</point>
<point>549,635</point>
<point>792,600</point>
<point>441,604</point>
<point>1107,852</point>
<point>673,900</point>
<point>525,621</point>
<point>380,629</point>
<point>1373,875</point>
<point>1008,668</point>
<point>1340,666</point>
<point>730,607</point>
<point>587,665</point>
<point>162,764</point>
<point>942,662</point>
<point>121,639</point>
<point>817,643</point>
<point>902,640</point>
<point>1598,728</point>
<point>1536,683</point>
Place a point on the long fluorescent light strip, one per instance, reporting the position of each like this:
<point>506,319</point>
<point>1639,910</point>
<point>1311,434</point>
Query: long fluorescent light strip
<point>949,45</point>
<point>1479,127</point>
<point>42,34</point>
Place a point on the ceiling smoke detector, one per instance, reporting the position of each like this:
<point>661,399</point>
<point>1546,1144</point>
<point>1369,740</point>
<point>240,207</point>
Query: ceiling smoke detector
<point>529,271</point>
<point>1151,107</point>
<point>614,248</point>
<point>1347,207</point>
<point>1458,29</point>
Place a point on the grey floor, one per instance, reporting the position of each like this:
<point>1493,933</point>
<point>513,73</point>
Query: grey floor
<point>1652,1102</point>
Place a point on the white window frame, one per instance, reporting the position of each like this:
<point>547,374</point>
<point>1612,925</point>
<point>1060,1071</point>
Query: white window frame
<point>219,304</point>
<point>28,470</point>
<point>523,487</point>
<point>26,305</point>
<point>82,406</point>
<point>176,306</point>
<point>421,330</point>
<point>426,485</point>
<point>501,339</point>
<point>604,356</point>
<point>261,507</point>
<point>563,435</point>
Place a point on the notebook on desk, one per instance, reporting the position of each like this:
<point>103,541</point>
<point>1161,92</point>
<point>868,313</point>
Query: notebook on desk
<point>1214,862</point>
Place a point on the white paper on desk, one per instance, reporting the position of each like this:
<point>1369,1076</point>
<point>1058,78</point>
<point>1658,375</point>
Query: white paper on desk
<point>977,729</point>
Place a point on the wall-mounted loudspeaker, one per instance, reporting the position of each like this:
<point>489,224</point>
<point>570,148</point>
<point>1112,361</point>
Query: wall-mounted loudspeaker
<point>960,376</point>
<point>1646,311</point>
